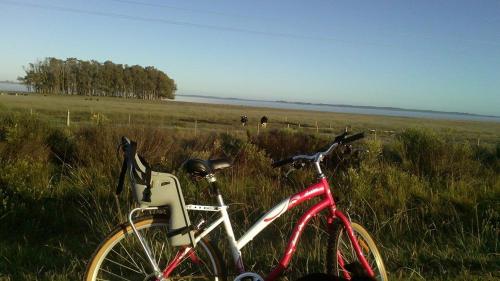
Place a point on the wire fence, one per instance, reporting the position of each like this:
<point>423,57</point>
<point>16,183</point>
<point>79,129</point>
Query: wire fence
<point>76,118</point>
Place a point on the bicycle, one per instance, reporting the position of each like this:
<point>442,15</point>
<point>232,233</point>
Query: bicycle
<point>166,246</point>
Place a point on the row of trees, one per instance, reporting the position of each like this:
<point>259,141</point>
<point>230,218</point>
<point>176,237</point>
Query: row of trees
<point>92,78</point>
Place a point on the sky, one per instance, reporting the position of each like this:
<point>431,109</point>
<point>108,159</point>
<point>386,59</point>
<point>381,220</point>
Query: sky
<point>433,55</point>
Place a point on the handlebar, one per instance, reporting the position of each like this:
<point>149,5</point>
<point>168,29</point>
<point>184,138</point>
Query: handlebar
<point>280,163</point>
<point>353,138</point>
<point>318,156</point>
<point>293,159</point>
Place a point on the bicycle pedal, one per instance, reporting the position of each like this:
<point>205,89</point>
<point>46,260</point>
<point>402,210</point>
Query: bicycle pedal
<point>248,276</point>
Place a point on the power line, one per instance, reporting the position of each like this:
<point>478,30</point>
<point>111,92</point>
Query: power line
<point>184,23</point>
<point>138,3</point>
<point>203,26</point>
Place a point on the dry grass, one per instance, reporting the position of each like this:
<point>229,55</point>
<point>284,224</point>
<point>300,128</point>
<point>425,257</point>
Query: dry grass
<point>116,111</point>
<point>430,198</point>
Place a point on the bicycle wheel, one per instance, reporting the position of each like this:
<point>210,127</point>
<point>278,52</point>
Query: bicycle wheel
<point>341,252</point>
<point>121,257</point>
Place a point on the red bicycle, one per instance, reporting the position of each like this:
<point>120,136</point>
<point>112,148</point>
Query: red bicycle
<point>166,246</point>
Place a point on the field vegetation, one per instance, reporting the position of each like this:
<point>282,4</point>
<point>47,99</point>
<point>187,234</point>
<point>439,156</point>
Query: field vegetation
<point>427,190</point>
<point>222,118</point>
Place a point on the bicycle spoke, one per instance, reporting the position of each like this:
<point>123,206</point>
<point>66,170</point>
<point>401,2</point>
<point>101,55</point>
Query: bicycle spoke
<point>133,264</point>
<point>191,277</point>
<point>121,277</point>
<point>124,258</point>
<point>124,266</point>
<point>128,254</point>
<point>188,265</point>
<point>158,259</point>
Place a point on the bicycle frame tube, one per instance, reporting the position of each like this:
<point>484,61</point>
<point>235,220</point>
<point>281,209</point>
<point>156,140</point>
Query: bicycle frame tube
<point>285,205</point>
<point>278,210</point>
<point>321,188</point>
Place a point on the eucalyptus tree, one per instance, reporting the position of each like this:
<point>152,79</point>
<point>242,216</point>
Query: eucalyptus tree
<point>92,78</point>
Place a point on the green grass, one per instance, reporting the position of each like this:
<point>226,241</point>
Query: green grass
<point>171,114</point>
<point>428,192</point>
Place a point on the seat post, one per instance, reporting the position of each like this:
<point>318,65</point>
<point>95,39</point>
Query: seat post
<point>215,190</point>
<point>236,253</point>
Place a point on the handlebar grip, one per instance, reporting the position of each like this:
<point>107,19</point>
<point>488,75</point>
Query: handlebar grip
<point>353,138</point>
<point>340,137</point>
<point>280,163</point>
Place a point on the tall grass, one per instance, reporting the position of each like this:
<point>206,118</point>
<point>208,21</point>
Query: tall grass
<point>430,201</point>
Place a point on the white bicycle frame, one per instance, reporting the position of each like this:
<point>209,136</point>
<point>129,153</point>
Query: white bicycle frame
<point>237,245</point>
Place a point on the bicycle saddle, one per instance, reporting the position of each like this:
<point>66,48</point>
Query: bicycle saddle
<point>201,168</point>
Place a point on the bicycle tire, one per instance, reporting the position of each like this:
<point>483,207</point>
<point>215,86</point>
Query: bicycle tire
<point>121,257</point>
<point>339,242</point>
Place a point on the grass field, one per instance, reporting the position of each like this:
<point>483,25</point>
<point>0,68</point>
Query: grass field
<point>427,190</point>
<point>169,114</point>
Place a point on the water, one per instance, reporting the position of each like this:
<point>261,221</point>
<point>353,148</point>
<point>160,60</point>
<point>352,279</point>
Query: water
<point>341,109</point>
<point>13,87</point>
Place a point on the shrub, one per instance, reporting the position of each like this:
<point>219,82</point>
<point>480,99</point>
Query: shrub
<point>427,154</point>
<point>63,147</point>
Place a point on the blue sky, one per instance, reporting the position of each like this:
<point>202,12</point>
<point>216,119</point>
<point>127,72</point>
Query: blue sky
<point>438,55</point>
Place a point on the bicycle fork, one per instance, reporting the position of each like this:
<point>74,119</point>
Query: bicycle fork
<point>359,253</point>
<point>335,213</point>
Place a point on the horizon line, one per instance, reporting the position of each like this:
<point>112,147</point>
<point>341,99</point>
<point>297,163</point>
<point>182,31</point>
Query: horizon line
<point>347,105</point>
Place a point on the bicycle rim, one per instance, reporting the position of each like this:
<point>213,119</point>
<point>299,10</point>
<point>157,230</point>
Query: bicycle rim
<point>345,253</point>
<point>121,257</point>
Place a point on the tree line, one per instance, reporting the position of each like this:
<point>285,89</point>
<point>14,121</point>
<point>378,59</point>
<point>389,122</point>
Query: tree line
<point>92,78</point>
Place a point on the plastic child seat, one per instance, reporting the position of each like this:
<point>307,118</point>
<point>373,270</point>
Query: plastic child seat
<point>158,189</point>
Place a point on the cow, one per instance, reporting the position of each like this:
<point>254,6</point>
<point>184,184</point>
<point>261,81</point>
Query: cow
<point>263,121</point>
<point>244,120</point>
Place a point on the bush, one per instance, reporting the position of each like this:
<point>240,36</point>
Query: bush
<point>429,201</point>
<point>427,154</point>
<point>63,147</point>
<point>280,144</point>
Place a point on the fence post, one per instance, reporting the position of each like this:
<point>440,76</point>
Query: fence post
<point>129,119</point>
<point>67,119</point>
<point>258,128</point>
<point>195,127</point>
<point>317,129</point>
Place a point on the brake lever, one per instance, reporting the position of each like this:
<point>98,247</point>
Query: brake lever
<point>298,165</point>
<point>289,172</point>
